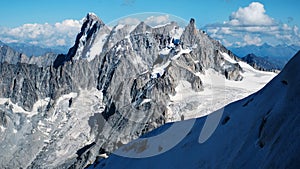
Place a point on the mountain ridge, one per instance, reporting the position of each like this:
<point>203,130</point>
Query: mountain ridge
<point>260,63</point>
<point>119,82</point>
<point>35,50</point>
<point>12,56</point>
<point>277,55</point>
<point>259,131</point>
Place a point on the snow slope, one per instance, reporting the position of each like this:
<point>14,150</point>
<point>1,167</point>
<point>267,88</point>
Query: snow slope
<point>260,131</point>
<point>218,91</point>
<point>77,119</point>
<point>54,136</point>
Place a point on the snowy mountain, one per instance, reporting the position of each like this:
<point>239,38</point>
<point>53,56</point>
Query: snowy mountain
<point>114,85</point>
<point>259,131</point>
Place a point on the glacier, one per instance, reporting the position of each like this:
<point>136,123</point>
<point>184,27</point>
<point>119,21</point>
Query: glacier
<point>114,85</point>
<point>259,131</point>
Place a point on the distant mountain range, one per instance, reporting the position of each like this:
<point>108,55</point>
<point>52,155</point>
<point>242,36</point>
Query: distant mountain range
<point>277,55</point>
<point>13,56</point>
<point>35,50</point>
<point>261,63</point>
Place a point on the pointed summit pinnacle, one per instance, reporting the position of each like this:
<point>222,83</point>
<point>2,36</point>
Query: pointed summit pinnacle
<point>92,17</point>
<point>192,21</point>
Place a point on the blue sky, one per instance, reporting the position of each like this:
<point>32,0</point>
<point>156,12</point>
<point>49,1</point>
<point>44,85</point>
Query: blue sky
<point>209,15</point>
<point>18,12</point>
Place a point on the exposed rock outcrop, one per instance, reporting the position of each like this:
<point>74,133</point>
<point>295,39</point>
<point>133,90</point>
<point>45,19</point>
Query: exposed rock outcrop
<point>128,75</point>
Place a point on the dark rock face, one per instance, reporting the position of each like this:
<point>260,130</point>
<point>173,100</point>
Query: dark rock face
<point>233,73</point>
<point>129,69</point>
<point>192,21</point>
<point>209,51</point>
<point>260,63</point>
<point>3,119</point>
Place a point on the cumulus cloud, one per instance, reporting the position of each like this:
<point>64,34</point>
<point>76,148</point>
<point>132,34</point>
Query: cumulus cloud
<point>252,26</point>
<point>226,43</point>
<point>48,35</point>
<point>153,20</point>
<point>61,42</point>
<point>254,14</point>
<point>252,40</point>
<point>286,27</point>
<point>129,21</point>
<point>157,20</point>
<point>296,31</point>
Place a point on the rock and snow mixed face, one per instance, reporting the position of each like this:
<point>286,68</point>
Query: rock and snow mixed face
<point>260,131</point>
<point>113,86</point>
<point>48,137</point>
<point>90,40</point>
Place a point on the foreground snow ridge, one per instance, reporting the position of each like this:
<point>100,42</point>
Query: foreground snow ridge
<point>260,131</point>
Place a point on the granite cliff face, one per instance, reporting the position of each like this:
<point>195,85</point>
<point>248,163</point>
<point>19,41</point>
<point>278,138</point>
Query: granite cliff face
<point>112,86</point>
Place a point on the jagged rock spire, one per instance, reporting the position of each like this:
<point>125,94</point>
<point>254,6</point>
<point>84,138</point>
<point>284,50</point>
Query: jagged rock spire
<point>192,21</point>
<point>91,25</point>
<point>190,33</point>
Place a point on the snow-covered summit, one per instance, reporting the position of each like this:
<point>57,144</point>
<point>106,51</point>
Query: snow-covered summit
<point>92,15</point>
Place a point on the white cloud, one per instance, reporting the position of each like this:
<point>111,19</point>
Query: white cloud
<point>254,14</point>
<point>286,27</point>
<point>296,31</point>
<point>129,21</point>
<point>67,25</point>
<point>157,20</point>
<point>252,40</point>
<point>153,20</point>
<point>284,37</point>
<point>226,43</point>
<point>213,30</point>
<point>48,35</point>
<point>252,26</point>
<point>61,42</point>
<point>226,30</point>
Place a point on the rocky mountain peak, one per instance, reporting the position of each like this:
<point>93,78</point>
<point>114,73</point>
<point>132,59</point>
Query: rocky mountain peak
<point>92,26</point>
<point>167,29</point>
<point>190,34</point>
<point>192,21</point>
<point>91,20</point>
<point>125,77</point>
<point>142,28</point>
<point>192,24</point>
<point>92,16</point>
